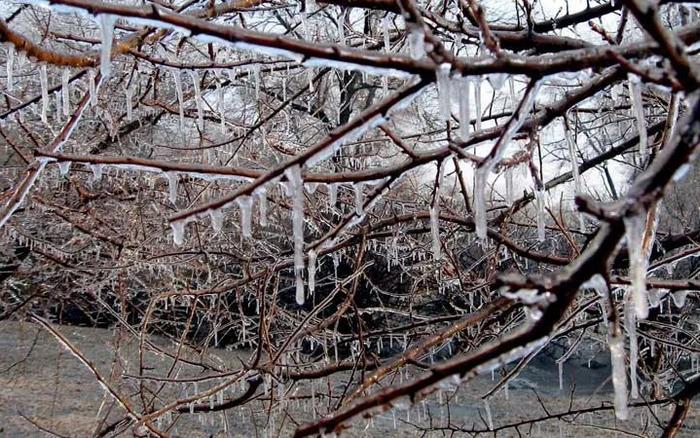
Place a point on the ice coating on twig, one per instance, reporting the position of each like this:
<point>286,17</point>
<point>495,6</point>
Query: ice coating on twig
<point>631,328</point>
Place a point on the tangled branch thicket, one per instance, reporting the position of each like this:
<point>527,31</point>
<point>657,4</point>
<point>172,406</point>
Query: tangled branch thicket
<point>372,202</point>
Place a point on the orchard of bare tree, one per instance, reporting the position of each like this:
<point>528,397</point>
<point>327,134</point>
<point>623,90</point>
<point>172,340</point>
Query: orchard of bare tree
<point>361,217</point>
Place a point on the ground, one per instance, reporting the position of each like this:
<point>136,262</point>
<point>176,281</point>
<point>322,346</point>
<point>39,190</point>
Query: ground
<point>46,390</point>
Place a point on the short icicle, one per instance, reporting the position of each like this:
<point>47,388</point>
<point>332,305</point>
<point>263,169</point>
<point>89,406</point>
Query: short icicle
<point>65,90</point>
<point>106,23</point>
<point>10,60</point>
<point>44,81</point>
<point>619,376</point>
<point>464,107</point>
<point>312,271</point>
<point>635,90</point>
<point>443,85</point>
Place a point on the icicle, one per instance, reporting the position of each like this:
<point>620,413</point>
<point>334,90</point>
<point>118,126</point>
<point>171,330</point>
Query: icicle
<point>178,233</point>
<point>63,167</point>
<point>510,191</point>
<point>635,227</point>
<point>480,182</point>
<point>631,327</point>
<point>92,87</point>
<point>106,23</point>
<point>198,99</point>
<point>385,33</point>
<point>296,188</point>
<point>172,186</point>
<point>359,199</point>
<point>262,207</point>
<point>496,80</point>
<point>59,107</point>
<point>43,79</point>
<point>511,89</point>
<point>635,90</point>
<point>180,96</point>
<point>464,107</point>
<point>96,172</point>
<point>332,195</point>
<point>477,102</point>
<point>443,85</point>
<point>619,376</point>
<point>561,375</point>
<point>129,94</point>
<point>539,203</point>
<point>435,215</point>
<point>10,60</point>
<point>65,89</point>
<point>246,205</point>
<point>572,157</point>
<point>312,271</point>
<point>416,41</point>
<point>489,418</point>
<point>679,298</point>
<point>256,80</point>
<point>217,220</point>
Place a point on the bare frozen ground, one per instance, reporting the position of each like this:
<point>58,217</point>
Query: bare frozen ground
<point>42,386</point>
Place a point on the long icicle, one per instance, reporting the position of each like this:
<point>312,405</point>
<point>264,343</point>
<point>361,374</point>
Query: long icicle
<point>180,97</point>
<point>296,190</point>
